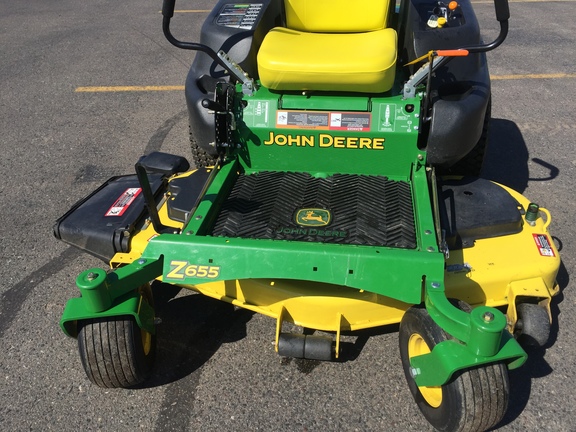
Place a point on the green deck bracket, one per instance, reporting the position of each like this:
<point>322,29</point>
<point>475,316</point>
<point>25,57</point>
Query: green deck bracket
<point>130,304</point>
<point>112,294</point>
<point>480,337</point>
<point>448,357</point>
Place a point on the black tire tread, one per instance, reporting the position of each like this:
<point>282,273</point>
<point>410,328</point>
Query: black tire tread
<point>201,157</point>
<point>111,352</point>
<point>484,394</point>
<point>535,325</point>
<point>472,163</point>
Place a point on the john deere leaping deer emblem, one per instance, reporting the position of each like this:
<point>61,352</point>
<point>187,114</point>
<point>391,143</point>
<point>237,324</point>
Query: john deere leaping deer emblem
<point>313,217</point>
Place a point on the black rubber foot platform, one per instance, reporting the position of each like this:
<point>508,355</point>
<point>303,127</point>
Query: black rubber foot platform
<point>343,208</point>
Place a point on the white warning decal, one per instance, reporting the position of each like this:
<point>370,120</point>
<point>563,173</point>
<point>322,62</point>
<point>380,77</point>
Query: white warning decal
<point>123,202</point>
<point>544,245</point>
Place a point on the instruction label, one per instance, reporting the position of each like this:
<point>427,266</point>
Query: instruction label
<point>393,118</point>
<point>123,202</point>
<point>544,245</point>
<point>322,120</point>
<point>241,16</point>
<point>350,121</point>
<point>256,114</point>
<point>302,120</point>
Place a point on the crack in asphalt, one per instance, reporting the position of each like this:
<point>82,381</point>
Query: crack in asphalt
<point>12,300</point>
<point>155,142</point>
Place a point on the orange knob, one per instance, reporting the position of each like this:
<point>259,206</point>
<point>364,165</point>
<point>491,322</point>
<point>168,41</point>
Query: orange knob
<point>452,5</point>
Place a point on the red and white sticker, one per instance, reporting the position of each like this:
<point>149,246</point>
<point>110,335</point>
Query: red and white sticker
<point>123,202</point>
<point>544,245</point>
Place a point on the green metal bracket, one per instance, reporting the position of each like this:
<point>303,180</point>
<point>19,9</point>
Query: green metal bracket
<point>113,294</point>
<point>480,338</point>
<point>437,367</point>
<point>130,304</point>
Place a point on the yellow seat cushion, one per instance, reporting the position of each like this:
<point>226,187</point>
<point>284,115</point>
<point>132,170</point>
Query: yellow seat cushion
<point>336,16</point>
<point>351,62</point>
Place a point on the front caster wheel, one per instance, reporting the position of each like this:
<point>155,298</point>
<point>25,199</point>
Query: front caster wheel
<point>115,351</point>
<point>473,400</point>
<point>533,325</point>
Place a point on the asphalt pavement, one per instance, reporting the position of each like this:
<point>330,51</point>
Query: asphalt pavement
<point>216,367</point>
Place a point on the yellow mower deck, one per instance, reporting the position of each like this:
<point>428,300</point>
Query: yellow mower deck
<point>494,272</point>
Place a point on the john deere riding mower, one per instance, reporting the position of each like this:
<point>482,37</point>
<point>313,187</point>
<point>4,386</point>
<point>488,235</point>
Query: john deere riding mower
<point>337,146</point>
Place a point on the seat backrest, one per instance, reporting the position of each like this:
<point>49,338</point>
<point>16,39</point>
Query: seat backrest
<point>336,16</point>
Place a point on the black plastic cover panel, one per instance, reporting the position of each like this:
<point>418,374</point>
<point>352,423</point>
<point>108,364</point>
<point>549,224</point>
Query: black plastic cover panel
<point>184,193</point>
<point>102,223</point>
<point>475,208</point>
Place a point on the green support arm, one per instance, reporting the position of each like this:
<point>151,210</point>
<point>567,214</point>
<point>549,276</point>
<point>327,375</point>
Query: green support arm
<point>480,337</point>
<point>112,294</point>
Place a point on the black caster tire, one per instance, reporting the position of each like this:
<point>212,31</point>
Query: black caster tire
<point>533,325</point>
<point>473,400</point>
<point>115,351</point>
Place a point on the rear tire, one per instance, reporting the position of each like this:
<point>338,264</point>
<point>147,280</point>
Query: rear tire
<point>471,164</point>
<point>473,400</point>
<point>201,157</point>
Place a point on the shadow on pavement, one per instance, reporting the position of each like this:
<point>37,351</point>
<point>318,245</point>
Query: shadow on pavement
<point>193,328</point>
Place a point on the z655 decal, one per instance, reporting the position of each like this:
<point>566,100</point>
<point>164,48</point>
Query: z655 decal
<point>183,269</point>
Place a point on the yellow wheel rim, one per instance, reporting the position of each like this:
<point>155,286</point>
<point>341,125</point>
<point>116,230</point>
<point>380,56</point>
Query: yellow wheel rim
<point>145,296</point>
<point>418,346</point>
<point>146,341</point>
